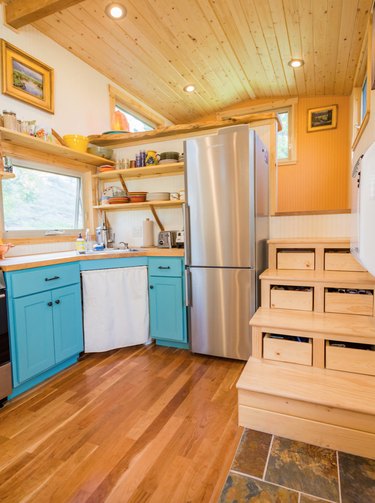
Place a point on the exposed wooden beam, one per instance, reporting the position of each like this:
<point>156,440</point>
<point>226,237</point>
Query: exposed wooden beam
<point>19,13</point>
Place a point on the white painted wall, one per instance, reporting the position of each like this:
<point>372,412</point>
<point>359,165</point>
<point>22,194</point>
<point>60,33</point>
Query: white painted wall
<point>81,93</point>
<point>310,226</point>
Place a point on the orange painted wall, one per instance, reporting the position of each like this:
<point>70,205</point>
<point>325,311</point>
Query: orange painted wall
<point>319,181</point>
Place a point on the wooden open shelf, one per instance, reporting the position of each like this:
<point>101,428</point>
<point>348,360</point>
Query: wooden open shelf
<point>177,131</point>
<point>176,168</point>
<point>24,140</point>
<point>139,206</point>
<point>6,176</point>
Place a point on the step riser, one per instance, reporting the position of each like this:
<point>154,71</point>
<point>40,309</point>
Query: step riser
<point>326,435</point>
<point>307,410</point>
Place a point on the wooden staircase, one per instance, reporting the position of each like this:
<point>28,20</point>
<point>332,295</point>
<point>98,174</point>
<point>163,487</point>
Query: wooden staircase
<point>311,376</point>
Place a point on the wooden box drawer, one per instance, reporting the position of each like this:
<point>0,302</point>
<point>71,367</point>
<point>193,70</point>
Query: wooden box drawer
<point>40,279</point>
<point>289,298</point>
<point>165,266</point>
<point>349,303</point>
<point>296,259</point>
<point>351,359</point>
<point>341,260</point>
<point>287,350</point>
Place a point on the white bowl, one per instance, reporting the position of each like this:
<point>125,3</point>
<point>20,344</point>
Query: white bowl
<point>158,196</point>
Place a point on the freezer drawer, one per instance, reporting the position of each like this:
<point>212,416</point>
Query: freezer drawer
<point>222,302</point>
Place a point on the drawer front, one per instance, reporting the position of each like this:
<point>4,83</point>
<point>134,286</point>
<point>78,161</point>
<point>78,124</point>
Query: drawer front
<point>296,260</point>
<point>349,303</point>
<point>43,278</point>
<point>340,261</point>
<point>165,266</point>
<point>292,299</point>
<point>359,361</point>
<point>290,351</point>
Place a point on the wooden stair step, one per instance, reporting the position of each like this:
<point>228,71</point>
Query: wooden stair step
<point>348,327</point>
<point>306,277</point>
<point>330,388</point>
<point>318,406</point>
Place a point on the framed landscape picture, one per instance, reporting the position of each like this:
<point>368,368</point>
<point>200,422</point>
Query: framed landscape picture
<point>25,78</point>
<point>319,119</point>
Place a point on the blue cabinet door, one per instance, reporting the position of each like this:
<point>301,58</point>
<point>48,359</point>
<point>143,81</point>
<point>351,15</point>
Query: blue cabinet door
<point>67,322</point>
<point>167,309</point>
<point>32,336</point>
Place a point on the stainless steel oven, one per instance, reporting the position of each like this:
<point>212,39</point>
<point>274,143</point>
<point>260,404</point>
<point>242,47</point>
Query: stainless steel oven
<point>5,366</point>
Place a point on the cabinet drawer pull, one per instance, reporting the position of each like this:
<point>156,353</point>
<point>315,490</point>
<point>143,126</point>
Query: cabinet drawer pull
<point>57,301</point>
<point>151,287</point>
<point>164,267</point>
<point>49,304</point>
<point>52,279</point>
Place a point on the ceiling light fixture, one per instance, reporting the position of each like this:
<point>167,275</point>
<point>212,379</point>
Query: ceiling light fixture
<point>115,11</point>
<point>189,88</point>
<point>296,63</point>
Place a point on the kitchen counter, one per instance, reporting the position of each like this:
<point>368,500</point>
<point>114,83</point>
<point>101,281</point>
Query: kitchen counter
<point>29,261</point>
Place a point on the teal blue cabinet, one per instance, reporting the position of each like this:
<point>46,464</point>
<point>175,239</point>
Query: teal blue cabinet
<point>167,302</point>
<point>34,351</point>
<point>67,322</point>
<point>45,322</point>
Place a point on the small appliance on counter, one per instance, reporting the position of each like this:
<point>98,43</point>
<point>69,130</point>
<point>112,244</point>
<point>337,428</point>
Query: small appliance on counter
<point>167,239</point>
<point>180,239</point>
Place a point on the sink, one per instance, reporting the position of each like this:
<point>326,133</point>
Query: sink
<point>113,250</point>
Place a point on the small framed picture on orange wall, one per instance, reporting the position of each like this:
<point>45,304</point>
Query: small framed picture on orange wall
<point>320,119</point>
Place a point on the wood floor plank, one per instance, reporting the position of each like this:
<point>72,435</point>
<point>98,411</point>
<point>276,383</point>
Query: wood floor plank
<point>143,424</point>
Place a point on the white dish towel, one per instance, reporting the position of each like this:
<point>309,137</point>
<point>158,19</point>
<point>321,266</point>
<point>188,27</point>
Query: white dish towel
<point>115,307</point>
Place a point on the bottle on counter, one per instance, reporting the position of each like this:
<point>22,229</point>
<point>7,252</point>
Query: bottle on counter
<point>80,244</point>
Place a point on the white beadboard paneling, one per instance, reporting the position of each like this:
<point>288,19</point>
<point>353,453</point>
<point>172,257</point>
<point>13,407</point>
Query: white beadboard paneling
<point>40,248</point>
<point>304,226</point>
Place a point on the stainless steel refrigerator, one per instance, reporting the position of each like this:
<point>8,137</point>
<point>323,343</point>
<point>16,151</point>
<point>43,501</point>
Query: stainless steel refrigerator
<point>226,232</point>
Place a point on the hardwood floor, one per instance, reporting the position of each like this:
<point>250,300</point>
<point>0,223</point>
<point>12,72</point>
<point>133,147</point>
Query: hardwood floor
<point>143,424</point>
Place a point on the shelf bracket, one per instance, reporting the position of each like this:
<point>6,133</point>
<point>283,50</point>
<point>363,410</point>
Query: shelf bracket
<point>160,225</point>
<point>124,186</point>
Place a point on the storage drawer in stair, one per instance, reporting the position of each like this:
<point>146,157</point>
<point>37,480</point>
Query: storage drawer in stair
<point>349,301</point>
<point>292,297</point>
<point>341,260</point>
<point>296,259</point>
<point>350,357</point>
<point>285,348</point>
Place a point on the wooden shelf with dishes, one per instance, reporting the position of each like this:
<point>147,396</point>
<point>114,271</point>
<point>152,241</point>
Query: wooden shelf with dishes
<point>177,131</point>
<point>170,169</point>
<point>9,138</point>
<point>139,206</point>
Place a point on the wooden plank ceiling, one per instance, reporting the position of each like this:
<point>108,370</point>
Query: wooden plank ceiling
<point>231,50</point>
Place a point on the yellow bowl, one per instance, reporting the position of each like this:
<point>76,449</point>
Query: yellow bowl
<point>76,142</point>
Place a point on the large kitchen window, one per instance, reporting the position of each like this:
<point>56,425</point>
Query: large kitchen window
<point>39,202</point>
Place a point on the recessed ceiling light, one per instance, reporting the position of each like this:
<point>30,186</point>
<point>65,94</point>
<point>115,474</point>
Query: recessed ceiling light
<point>115,11</point>
<point>189,88</point>
<point>296,63</point>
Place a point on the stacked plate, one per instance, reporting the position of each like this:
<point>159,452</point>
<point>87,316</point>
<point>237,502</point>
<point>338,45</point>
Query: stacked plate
<point>158,196</point>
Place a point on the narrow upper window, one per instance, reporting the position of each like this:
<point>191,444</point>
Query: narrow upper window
<point>39,201</point>
<point>129,114</point>
<point>135,124</point>
<point>283,136</point>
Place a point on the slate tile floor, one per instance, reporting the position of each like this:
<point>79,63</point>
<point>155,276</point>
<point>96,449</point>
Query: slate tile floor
<point>270,469</point>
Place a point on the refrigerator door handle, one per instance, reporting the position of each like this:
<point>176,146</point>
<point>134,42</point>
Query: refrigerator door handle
<point>186,216</point>
<point>188,299</point>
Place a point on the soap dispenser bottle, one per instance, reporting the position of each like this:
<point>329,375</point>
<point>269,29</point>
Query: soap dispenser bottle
<point>80,244</point>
